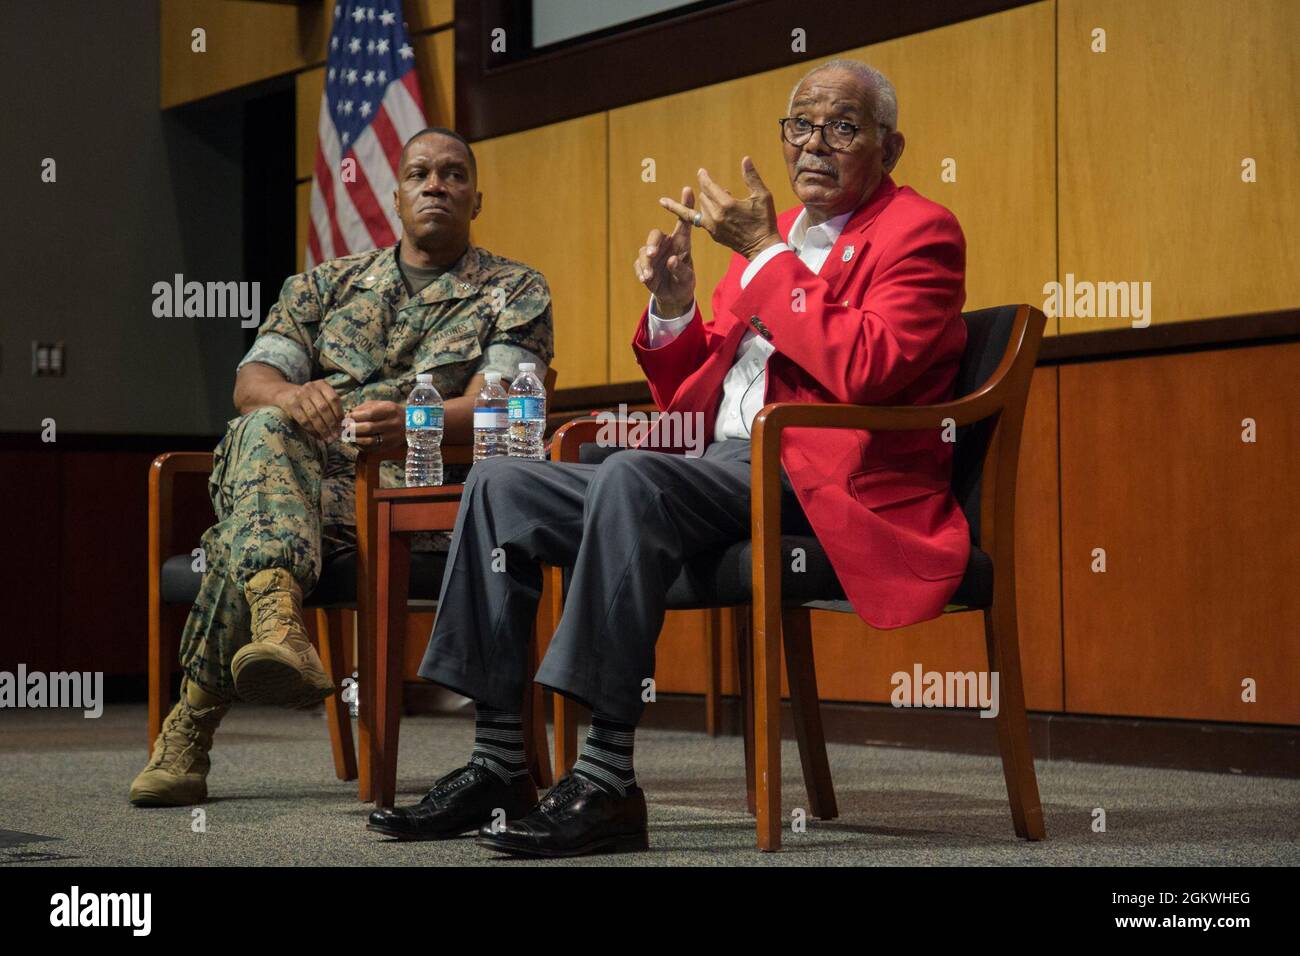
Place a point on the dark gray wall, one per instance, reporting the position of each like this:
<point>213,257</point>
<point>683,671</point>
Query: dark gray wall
<point>140,196</point>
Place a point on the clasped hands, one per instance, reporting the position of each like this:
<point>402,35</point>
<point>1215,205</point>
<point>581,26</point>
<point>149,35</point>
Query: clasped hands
<point>746,224</point>
<point>317,408</point>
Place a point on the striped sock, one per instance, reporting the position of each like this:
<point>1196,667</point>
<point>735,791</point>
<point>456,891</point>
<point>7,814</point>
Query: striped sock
<point>606,757</point>
<point>499,743</point>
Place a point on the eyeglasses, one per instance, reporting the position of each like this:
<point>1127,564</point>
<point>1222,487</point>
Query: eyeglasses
<point>837,134</point>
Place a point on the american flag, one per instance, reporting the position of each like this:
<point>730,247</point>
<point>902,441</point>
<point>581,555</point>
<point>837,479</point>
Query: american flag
<point>370,107</point>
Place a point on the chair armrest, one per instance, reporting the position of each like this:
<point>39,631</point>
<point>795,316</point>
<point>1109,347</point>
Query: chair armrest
<point>162,473</point>
<point>171,463</point>
<point>776,417</point>
<point>569,437</point>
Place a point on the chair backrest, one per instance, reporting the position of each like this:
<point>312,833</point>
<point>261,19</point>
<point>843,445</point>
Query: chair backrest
<point>987,333</point>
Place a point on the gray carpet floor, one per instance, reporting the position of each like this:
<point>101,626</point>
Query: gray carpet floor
<point>274,799</point>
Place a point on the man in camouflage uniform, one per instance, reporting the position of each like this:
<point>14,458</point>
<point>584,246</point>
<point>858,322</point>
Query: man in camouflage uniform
<point>329,371</point>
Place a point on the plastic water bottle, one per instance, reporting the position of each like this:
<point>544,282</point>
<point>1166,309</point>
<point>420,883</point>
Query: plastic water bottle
<point>423,434</point>
<point>490,416</point>
<point>526,408</point>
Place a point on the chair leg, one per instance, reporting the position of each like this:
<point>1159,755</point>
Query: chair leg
<point>766,647</point>
<point>796,626</point>
<point>160,677</point>
<point>566,734</point>
<point>329,637</point>
<point>536,752</point>
<point>393,567</point>
<point>366,671</point>
<point>564,711</point>
<point>742,630</point>
<point>1002,639</point>
<point>716,620</point>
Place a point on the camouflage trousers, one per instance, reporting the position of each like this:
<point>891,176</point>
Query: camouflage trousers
<point>266,488</point>
<point>283,499</point>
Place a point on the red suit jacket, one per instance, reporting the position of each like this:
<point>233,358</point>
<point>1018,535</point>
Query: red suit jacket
<point>881,326</point>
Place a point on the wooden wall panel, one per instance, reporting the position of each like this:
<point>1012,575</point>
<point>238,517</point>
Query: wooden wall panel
<point>30,559</point>
<point>544,204</point>
<point>246,42</point>
<point>711,127</point>
<point>980,93</point>
<point>1153,133</point>
<point>428,14</point>
<point>419,625</point>
<point>435,53</point>
<point>302,201</point>
<point>679,656</point>
<point>74,562</point>
<point>996,123</point>
<point>101,624</point>
<point>1199,529</point>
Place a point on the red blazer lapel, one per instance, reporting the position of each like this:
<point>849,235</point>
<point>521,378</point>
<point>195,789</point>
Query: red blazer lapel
<point>850,246</point>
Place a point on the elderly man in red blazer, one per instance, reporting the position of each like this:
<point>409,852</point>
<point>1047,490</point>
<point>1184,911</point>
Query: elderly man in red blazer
<point>854,296</point>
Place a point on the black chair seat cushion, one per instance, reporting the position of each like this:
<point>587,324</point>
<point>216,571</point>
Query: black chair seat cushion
<point>337,586</point>
<point>725,578</point>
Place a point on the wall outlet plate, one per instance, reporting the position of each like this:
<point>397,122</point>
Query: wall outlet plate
<point>48,359</point>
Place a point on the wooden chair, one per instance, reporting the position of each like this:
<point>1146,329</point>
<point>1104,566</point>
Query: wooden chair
<point>385,518</point>
<point>347,582</point>
<point>993,380</point>
<point>173,585</point>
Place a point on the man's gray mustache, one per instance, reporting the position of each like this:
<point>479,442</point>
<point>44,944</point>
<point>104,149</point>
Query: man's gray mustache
<point>802,166</point>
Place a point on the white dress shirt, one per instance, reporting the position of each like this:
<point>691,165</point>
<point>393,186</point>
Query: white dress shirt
<point>745,386</point>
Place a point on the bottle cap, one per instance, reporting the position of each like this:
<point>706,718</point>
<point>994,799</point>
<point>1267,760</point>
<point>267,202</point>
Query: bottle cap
<point>493,378</point>
<point>527,366</point>
<point>425,378</point>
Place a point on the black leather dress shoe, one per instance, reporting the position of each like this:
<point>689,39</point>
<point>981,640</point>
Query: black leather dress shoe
<point>459,802</point>
<point>576,817</point>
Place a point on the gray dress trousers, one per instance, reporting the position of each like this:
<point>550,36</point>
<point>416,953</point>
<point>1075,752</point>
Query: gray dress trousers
<point>625,527</point>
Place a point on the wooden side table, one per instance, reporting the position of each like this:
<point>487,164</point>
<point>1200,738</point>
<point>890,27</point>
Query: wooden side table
<point>400,512</point>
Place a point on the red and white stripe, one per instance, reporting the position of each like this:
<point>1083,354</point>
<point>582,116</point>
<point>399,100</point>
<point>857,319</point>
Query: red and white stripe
<point>348,217</point>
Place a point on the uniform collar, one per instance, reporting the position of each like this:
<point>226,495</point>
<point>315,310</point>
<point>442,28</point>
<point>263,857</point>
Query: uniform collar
<point>462,280</point>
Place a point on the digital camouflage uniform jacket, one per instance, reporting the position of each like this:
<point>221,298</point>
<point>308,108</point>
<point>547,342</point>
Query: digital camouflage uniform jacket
<point>350,322</point>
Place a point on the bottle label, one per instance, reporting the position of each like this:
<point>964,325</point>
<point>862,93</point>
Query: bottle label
<point>489,418</point>
<point>419,417</point>
<point>525,408</point>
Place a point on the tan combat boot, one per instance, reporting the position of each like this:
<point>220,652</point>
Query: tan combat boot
<point>279,666</point>
<point>177,772</point>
